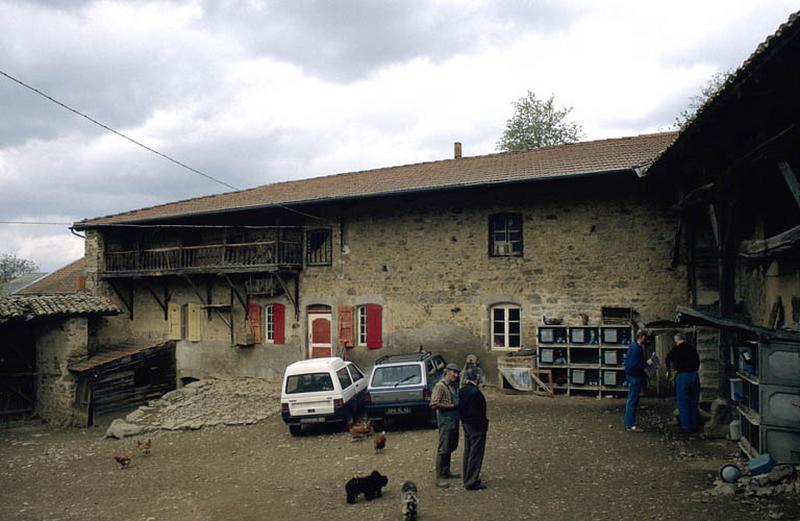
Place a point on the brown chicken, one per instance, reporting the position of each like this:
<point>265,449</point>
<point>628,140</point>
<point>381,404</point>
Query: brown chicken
<point>144,446</point>
<point>124,460</point>
<point>359,430</point>
<point>380,442</point>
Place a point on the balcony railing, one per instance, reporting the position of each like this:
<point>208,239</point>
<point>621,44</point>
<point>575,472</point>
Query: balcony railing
<point>210,258</point>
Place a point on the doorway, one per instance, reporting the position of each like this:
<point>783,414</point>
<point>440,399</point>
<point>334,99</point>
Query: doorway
<point>319,331</point>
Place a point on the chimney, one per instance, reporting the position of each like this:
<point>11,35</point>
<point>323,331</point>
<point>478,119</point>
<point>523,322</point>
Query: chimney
<point>457,149</point>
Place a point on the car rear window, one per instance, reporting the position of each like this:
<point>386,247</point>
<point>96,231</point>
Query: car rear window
<point>309,383</point>
<point>396,375</point>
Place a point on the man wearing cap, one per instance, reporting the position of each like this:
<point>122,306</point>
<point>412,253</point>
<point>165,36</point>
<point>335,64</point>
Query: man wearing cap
<point>444,400</point>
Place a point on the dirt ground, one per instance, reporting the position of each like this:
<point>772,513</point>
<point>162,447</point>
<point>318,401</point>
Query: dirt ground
<point>546,459</point>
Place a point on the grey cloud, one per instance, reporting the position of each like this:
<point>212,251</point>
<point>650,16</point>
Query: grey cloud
<point>348,40</point>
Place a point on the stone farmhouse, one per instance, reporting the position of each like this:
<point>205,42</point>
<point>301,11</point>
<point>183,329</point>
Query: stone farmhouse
<point>461,256</point>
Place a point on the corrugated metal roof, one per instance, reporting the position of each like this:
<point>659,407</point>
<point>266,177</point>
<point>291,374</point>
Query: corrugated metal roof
<point>28,307</point>
<point>591,157</point>
<point>114,353</point>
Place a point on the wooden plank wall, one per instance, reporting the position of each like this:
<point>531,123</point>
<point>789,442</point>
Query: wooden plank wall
<point>116,388</point>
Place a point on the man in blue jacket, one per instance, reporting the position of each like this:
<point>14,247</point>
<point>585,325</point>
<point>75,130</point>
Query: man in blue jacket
<point>635,363</point>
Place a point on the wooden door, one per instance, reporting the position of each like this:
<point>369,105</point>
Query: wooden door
<point>319,334</point>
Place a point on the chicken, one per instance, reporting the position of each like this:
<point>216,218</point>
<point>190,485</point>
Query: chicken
<point>144,446</point>
<point>123,459</point>
<point>380,442</point>
<point>359,430</point>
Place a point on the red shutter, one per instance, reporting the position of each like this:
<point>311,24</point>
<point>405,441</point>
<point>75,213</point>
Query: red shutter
<point>374,326</point>
<point>346,335</point>
<point>254,319</point>
<point>278,323</point>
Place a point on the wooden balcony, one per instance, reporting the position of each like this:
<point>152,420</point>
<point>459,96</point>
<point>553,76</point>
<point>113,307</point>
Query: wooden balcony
<point>210,258</point>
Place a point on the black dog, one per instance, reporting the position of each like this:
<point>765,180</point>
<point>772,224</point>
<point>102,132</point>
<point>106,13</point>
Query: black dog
<point>408,497</point>
<point>370,486</point>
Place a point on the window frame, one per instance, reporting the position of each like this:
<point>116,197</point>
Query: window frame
<point>507,232</point>
<point>361,325</point>
<point>507,334</point>
<point>269,324</point>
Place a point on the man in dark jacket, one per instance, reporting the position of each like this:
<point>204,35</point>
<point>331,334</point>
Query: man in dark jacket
<point>635,363</point>
<point>685,361</point>
<point>472,410</point>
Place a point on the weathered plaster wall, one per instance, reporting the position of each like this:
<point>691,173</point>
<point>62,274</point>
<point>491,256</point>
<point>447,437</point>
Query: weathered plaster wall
<point>59,343</point>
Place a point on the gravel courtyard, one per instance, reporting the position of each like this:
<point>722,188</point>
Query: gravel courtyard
<point>547,459</point>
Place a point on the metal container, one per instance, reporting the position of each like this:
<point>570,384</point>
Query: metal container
<point>610,357</point>
<point>546,356</point>
<point>782,444</point>
<point>578,376</point>
<point>612,378</point>
<point>780,406</point>
<point>779,363</point>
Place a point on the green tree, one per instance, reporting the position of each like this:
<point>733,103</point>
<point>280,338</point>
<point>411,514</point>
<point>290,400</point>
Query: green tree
<point>696,102</point>
<point>538,123</point>
<point>12,267</point>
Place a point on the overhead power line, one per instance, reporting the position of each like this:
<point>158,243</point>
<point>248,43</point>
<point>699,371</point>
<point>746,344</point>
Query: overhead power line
<point>120,134</point>
<point>135,142</point>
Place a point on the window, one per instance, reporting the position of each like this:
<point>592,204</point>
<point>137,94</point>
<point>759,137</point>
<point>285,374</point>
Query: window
<point>309,383</point>
<point>319,247</point>
<point>370,325</point>
<point>344,378</point>
<point>505,235</point>
<point>355,373</point>
<point>396,375</point>
<point>506,332</point>
<point>269,323</point>
<point>274,320</point>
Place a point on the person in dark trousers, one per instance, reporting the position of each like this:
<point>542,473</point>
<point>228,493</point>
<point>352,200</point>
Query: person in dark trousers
<point>472,409</point>
<point>444,399</point>
<point>635,363</point>
<point>685,361</point>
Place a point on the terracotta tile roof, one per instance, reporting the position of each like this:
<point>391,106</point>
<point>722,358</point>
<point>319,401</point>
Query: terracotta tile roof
<point>591,157</point>
<point>114,353</point>
<point>28,307</point>
<point>65,280</point>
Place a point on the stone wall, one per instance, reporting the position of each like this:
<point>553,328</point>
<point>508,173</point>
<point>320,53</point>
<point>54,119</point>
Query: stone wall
<point>588,243</point>
<point>59,343</point>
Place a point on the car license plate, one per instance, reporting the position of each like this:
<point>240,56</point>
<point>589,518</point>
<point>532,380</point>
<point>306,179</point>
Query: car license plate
<point>316,419</point>
<point>398,410</point>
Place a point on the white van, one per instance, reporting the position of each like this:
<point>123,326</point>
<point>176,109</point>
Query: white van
<point>321,390</point>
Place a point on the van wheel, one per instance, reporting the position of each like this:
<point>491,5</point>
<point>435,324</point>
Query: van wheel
<point>294,430</point>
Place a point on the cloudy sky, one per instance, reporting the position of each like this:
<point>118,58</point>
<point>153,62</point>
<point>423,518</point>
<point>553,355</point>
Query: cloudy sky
<point>254,92</point>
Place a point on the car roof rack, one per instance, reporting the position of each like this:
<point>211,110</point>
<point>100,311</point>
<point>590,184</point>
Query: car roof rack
<point>405,357</point>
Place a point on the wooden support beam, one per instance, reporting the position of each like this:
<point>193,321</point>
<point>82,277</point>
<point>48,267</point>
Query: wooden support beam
<point>164,304</point>
<point>771,246</point>
<point>202,301</point>
<point>791,180</point>
<point>699,195</point>
<point>712,217</point>
<point>128,303</point>
<point>293,299</point>
<point>676,243</point>
<point>235,292</point>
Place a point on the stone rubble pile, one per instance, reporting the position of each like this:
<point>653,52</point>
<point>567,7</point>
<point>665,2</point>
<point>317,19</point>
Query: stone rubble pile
<point>204,403</point>
<point>782,479</point>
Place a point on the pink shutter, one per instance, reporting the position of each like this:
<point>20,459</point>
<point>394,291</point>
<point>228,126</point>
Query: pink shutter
<point>278,323</point>
<point>374,326</point>
<point>254,318</point>
<point>346,334</point>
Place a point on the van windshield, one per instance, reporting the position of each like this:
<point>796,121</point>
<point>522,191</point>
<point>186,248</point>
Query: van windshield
<point>397,375</point>
<point>309,383</point>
